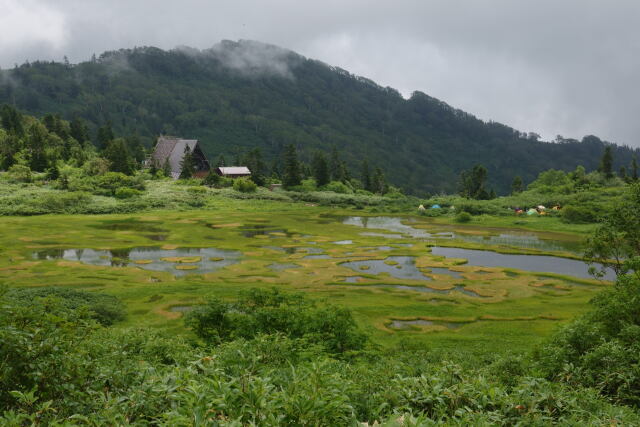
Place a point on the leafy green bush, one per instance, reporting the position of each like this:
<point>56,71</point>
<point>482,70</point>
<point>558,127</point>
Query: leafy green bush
<point>108,183</point>
<point>244,185</point>
<point>127,193</point>
<point>20,173</point>
<point>601,349</point>
<point>463,217</point>
<point>578,214</point>
<point>105,309</point>
<point>337,187</point>
<point>61,202</point>
<point>267,312</point>
<point>212,179</point>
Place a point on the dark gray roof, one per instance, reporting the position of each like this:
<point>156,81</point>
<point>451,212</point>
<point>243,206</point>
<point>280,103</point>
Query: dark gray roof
<point>173,149</point>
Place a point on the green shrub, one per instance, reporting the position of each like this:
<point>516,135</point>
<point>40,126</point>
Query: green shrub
<point>20,173</point>
<point>61,202</point>
<point>105,309</point>
<point>212,179</point>
<point>463,217</point>
<point>127,193</point>
<point>578,214</point>
<point>337,187</point>
<point>267,312</point>
<point>601,349</point>
<point>108,183</point>
<point>244,185</point>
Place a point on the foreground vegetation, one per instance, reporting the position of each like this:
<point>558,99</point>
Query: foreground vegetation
<point>117,315</point>
<point>60,367</point>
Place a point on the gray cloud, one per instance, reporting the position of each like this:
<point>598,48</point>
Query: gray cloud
<point>566,67</point>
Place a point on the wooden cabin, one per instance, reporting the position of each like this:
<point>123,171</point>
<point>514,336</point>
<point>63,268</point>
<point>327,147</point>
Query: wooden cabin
<point>171,149</point>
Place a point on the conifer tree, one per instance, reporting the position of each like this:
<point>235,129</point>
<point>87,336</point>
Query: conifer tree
<point>118,156</point>
<point>365,177</point>
<point>320,169</point>
<point>634,168</point>
<point>335,165</point>
<point>291,173</point>
<point>104,136</point>
<point>35,145</point>
<point>472,183</point>
<point>517,186</point>
<point>166,168</point>
<point>378,182</point>
<point>344,172</point>
<point>622,173</point>
<point>79,131</point>
<point>220,162</point>
<point>187,167</point>
<point>606,163</point>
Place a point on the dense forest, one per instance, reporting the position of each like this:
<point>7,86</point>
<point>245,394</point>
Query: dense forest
<point>238,96</point>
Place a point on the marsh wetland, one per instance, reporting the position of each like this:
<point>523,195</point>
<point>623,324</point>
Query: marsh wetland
<point>442,278</point>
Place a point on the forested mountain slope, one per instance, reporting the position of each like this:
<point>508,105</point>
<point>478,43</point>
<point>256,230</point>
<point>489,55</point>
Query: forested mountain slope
<point>240,95</point>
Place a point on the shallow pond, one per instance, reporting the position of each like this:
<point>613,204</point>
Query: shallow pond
<point>406,324</point>
<point>185,260</point>
<point>400,267</point>
<point>537,263</point>
<point>527,240</point>
<point>277,266</point>
<point>426,289</point>
<point>387,223</point>
<point>181,308</point>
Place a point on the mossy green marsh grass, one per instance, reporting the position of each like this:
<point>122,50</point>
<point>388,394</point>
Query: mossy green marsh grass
<point>523,307</point>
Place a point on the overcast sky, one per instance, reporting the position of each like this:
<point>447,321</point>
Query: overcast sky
<point>568,67</point>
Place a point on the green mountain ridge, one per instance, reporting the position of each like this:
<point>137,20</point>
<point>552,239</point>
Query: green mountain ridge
<point>240,95</point>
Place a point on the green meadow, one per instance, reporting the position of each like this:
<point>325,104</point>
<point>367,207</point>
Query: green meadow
<point>306,248</point>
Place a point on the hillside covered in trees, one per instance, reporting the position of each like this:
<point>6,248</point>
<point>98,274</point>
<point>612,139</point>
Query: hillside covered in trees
<point>238,96</point>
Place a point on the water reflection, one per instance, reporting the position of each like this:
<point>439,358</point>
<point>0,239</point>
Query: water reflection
<point>197,260</point>
<point>537,263</point>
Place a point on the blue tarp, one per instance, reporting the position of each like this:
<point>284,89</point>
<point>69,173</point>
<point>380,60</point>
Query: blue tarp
<point>435,207</point>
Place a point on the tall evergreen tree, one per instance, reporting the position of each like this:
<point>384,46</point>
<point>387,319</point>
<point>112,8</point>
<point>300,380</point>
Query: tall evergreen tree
<point>104,136</point>
<point>634,168</point>
<point>253,160</point>
<point>378,182</point>
<point>344,172</point>
<point>472,183</point>
<point>517,186</point>
<point>166,168</point>
<point>220,162</point>
<point>365,177</point>
<point>291,172</point>
<point>11,120</point>
<point>321,169</point>
<point>79,131</point>
<point>35,144</point>
<point>335,165</point>
<point>136,149</point>
<point>119,157</point>
<point>187,164</point>
<point>622,173</point>
<point>606,163</point>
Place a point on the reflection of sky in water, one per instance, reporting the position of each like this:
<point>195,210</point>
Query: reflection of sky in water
<point>405,324</point>
<point>128,257</point>
<point>426,289</point>
<point>388,223</point>
<point>404,269</point>
<point>539,263</point>
<point>526,240</point>
<point>277,266</point>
